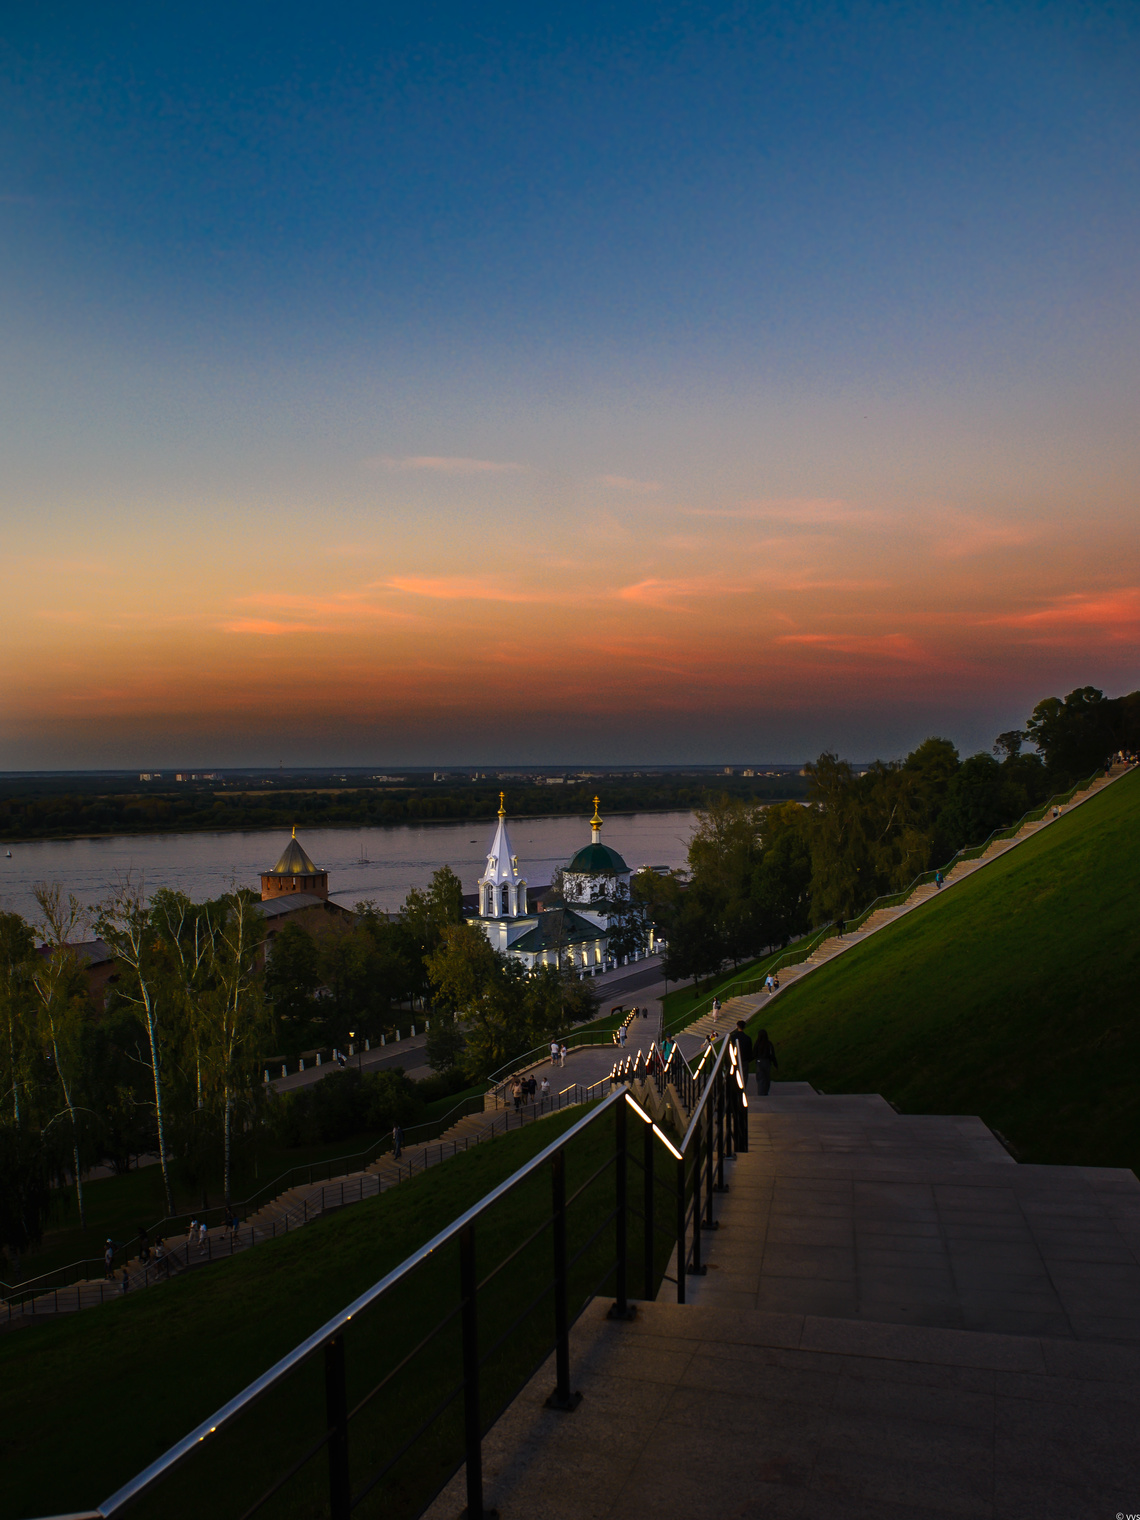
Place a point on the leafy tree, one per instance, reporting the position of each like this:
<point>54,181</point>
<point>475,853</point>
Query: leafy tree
<point>25,1193</point>
<point>627,930</point>
<point>1007,746</point>
<point>293,975</point>
<point>445,1043</point>
<point>782,881</point>
<point>62,1003</point>
<point>237,1021</point>
<point>461,968</point>
<point>186,930</point>
<point>1074,736</point>
<point>426,915</point>
<point>126,925</point>
<point>17,949</point>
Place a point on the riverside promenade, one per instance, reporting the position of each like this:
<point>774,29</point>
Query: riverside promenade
<point>897,1322</point>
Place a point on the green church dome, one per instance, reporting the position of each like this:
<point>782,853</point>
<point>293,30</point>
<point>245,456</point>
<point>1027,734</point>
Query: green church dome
<point>597,860</point>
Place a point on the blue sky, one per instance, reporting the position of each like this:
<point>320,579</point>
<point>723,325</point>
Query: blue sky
<point>880,254</point>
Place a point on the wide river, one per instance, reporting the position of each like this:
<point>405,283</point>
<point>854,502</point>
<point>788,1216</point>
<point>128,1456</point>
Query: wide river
<point>364,864</point>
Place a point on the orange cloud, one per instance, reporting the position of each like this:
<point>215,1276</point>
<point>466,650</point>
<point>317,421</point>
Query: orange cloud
<point>448,464</point>
<point>968,535</point>
<point>796,510</point>
<point>270,629</point>
<point>458,588</point>
<point>625,483</point>
<point>653,592</point>
<point>893,646</point>
<point>1116,613</point>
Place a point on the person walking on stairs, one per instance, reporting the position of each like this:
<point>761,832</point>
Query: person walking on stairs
<point>397,1142</point>
<point>765,1053</point>
<point>743,1042</point>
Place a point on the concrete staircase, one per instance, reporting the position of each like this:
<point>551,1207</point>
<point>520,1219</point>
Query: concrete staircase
<point>896,1322</point>
<point>746,1006</point>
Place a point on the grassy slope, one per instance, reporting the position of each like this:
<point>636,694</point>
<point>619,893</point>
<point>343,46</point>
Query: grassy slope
<point>1015,996</point>
<point>127,1380</point>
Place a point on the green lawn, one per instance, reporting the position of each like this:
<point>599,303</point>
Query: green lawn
<point>87,1401</point>
<point>1015,996</point>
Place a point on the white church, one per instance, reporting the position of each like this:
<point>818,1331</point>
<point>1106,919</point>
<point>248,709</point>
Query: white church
<point>595,887</point>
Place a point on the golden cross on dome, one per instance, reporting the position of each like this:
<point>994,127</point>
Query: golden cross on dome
<point>595,821</point>
<point>502,805</point>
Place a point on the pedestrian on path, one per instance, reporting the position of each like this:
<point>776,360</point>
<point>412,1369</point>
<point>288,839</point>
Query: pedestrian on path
<point>715,1011</point>
<point>562,1054</point>
<point>743,1042</point>
<point>621,1035</point>
<point>765,1053</point>
<point>531,1087</point>
<point>161,1260</point>
<point>545,1089</point>
<point>109,1260</point>
<point>202,1232</point>
<point>938,880</point>
<point>397,1142</point>
<point>126,1283</point>
<point>554,1048</point>
<point>516,1093</point>
<point>191,1233</point>
<point>769,984</point>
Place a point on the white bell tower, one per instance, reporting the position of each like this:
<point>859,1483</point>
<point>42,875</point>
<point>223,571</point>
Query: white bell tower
<point>502,890</point>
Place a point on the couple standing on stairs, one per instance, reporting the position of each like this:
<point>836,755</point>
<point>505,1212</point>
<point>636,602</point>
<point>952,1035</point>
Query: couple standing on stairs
<point>761,1050</point>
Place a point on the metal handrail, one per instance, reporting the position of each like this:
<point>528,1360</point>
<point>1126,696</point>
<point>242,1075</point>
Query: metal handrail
<point>215,1423</point>
<point>716,1130</point>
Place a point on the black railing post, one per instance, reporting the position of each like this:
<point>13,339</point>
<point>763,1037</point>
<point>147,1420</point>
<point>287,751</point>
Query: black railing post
<point>722,1095</point>
<point>647,1211</point>
<point>696,1269</point>
<point>472,1420</point>
<point>710,1146</point>
<point>682,1251</point>
<point>336,1413</point>
<point>561,1398</point>
<point>622,1309</point>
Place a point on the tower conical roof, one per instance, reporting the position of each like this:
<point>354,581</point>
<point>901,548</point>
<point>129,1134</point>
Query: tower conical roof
<point>501,865</point>
<point>294,861</point>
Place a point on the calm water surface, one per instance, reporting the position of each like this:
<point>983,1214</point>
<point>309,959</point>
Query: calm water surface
<point>377,864</point>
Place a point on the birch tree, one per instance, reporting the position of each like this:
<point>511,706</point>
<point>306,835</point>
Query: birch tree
<point>237,1019</point>
<point>60,1006</point>
<point>124,924</point>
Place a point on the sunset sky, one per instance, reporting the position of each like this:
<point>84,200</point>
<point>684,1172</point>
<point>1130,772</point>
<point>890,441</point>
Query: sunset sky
<point>563,383</point>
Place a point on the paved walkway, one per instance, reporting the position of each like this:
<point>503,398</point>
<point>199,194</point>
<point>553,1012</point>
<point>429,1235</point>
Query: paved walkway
<point>898,1322</point>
